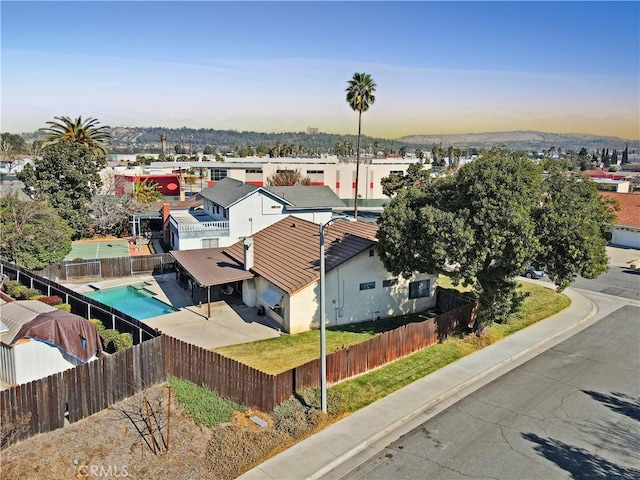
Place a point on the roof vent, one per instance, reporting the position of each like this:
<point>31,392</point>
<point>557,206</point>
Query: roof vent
<point>293,225</point>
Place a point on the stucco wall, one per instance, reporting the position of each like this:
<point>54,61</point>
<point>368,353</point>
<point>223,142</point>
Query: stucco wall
<point>346,303</point>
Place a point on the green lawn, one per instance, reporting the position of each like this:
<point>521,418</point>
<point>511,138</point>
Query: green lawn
<point>277,355</point>
<point>365,389</point>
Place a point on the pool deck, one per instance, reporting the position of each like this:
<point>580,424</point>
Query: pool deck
<point>228,325</point>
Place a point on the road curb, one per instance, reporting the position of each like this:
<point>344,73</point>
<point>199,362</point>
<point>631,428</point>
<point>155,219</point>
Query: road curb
<point>326,469</point>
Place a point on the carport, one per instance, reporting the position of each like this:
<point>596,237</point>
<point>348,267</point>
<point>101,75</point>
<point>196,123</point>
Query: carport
<point>209,267</point>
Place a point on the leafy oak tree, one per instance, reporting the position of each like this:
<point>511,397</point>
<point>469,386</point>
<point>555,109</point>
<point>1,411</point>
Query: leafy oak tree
<point>67,175</point>
<point>415,176</point>
<point>484,224</point>
<point>32,234</point>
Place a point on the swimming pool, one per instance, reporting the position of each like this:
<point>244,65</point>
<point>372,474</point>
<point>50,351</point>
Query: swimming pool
<point>133,300</point>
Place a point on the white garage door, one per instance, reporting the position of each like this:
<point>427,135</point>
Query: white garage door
<point>626,238</point>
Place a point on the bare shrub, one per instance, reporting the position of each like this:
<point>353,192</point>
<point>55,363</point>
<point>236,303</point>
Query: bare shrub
<point>234,449</point>
<point>150,416</point>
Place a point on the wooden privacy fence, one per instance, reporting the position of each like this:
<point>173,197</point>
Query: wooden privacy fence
<point>89,388</point>
<point>229,378</point>
<point>378,351</point>
<point>83,390</point>
<point>109,267</point>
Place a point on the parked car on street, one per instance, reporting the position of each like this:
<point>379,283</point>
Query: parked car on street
<point>533,272</point>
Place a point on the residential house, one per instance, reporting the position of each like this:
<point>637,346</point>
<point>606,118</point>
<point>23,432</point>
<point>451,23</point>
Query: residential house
<point>233,210</point>
<point>626,231</point>
<point>277,270</point>
<point>37,340</point>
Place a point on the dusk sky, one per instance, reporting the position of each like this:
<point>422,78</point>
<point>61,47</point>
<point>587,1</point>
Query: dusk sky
<point>440,67</point>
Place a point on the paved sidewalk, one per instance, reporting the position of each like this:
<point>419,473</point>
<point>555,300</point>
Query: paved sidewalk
<point>336,450</point>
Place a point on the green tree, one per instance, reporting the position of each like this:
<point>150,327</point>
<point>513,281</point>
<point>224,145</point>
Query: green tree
<point>32,234</point>
<point>284,178</point>
<point>15,143</point>
<point>85,132</point>
<point>484,224</point>
<point>360,97</point>
<point>11,149</point>
<point>67,175</point>
<point>438,155</point>
<point>146,191</point>
<point>571,220</point>
<point>625,155</point>
<point>163,143</point>
<point>416,176</point>
<point>584,159</point>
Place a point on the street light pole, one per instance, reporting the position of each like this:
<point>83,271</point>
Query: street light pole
<point>323,329</point>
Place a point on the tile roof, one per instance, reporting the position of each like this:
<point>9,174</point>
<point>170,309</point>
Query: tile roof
<point>629,214</point>
<point>227,191</point>
<point>308,196</point>
<point>287,253</point>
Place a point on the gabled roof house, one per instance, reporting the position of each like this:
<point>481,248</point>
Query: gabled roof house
<point>626,231</point>
<point>283,261</point>
<point>233,210</point>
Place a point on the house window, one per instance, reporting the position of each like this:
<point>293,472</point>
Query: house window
<point>315,172</point>
<point>218,174</point>
<point>371,253</point>
<point>210,243</point>
<point>419,289</point>
<point>83,342</point>
<point>390,283</point>
<point>400,173</point>
<point>367,286</point>
<point>253,170</point>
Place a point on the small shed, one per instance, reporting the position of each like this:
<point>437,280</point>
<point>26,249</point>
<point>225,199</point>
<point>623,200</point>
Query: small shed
<point>40,340</point>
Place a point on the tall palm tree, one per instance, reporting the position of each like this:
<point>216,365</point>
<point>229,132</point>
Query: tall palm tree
<point>163,142</point>
<point>360,97</point>
<point>86,132</point>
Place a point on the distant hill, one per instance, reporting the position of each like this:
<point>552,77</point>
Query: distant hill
<point>147,139</point>
<point>523,140</point>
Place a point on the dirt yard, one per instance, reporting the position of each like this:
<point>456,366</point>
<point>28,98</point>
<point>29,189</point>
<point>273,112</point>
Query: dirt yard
<point>107,445</point>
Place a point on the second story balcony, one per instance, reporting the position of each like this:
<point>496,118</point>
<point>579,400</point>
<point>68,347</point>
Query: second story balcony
<point>198,224</point>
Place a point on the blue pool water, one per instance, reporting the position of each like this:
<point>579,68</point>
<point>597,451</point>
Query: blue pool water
<point>132,300</point>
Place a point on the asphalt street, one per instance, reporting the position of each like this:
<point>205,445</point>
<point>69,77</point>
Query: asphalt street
<point>571,412</point>
<point>616,281</point>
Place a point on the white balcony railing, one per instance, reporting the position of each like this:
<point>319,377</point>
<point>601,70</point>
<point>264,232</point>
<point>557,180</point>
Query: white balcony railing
<point>216,226</point>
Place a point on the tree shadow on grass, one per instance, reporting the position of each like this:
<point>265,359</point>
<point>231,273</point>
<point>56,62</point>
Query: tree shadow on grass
<point>579,462</point>
<point>618,402</point>
<point>385,324</point>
